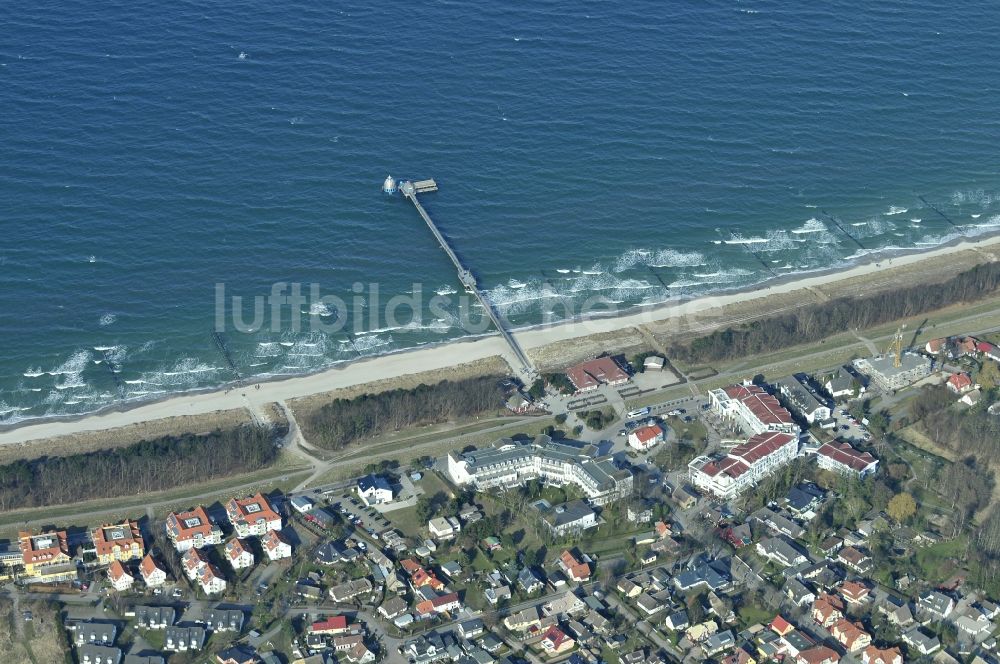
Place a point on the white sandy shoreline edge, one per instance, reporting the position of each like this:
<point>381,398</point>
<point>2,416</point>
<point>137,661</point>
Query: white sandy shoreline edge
<point>445,355</point>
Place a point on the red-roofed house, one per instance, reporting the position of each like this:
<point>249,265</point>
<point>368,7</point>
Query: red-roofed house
<point>120,579</point>
<point>333,625</point>
<point>854,592</point>
<point>577,571</point>
<point>827,610</point>
<point>192,529</point>
<point>152,574</point>
<point>844,459</point>
<point>252,516</point>
<point>590,375</point>
<point>850,635</point>
<point>211,580</point>
<point>238,554</point>
<point>646,437</point>
<point>118,542</point>
<point>420,577</point>
<point>440,604</point>
<point>556,641</point>
<point>780,626</point>
<point>960,383</point>
<point>276,546</point>
<point>873,655</point>
<point>744,465</point>
<point>989,350</point>
<point>935,346</point>
<point>752,408</point>
<point>193,561</point>
<point>817,655</point>
<point>46,556</point>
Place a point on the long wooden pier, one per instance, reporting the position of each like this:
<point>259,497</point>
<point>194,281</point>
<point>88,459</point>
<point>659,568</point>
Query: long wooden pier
<point>410,190</point>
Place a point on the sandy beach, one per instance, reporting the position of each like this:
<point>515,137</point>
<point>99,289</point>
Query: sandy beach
<point>696,314</point>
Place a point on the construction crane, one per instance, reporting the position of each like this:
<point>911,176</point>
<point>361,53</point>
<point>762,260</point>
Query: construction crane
<point>896,347</point>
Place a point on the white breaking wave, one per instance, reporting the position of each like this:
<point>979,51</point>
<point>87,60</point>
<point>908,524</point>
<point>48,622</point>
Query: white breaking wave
<point>657,258</point>
<point>321,309</point>
<point>979,197</point>
<point>107,319</point>
<point>70,373</point>
<point>364,344</point>
<point>446,290</point>
<point>268,349</point>
<point>775,240</point>
<point>895,209</point>
<point>812,225</point>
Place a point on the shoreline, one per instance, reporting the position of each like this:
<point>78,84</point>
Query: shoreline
<point>464,350</point>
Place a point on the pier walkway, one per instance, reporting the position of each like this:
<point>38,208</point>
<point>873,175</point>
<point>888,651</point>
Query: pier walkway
<point>410,190</point>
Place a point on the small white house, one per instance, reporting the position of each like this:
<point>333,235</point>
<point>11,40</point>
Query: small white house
<point>302,504</point>
<point>646,437</point>
<point>653,363</point>
<point>375,490</point>
<point>444,527</point>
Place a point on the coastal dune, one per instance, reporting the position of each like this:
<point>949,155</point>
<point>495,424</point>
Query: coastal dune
<point>549,347</point>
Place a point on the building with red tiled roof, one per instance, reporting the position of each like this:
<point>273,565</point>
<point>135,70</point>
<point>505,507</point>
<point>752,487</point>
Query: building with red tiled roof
<point>211,580</point>
<point>120,579</point>
<point>556,641</point>
<point>420,577</point>
<point>744,465</point>
<point>827,610</point>
<point>193,561</point>
<point>817,655</point>
<point>276,545</point>
<point>873,655</point>
<point>333,625</point>
<point>192,529</point>
<point>238,554</point>
<point>439,604</point>
<point>850,635</point>
<point>45,556</point>
<point>843,459</point>
<point>752,409</point>
<point>780,626</point>
<point>577,571</point>
<point>152,574</point>
<point>646,437</point>
<point>960,383</point>
<point>252,516</point>
<point>122,542</point>
<point>854,592</point>
<point>590,375</point>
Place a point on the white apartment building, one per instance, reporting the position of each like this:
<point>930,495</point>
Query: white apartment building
<point>510,463</point>
<point>752,409</point>
<point>744,465</point>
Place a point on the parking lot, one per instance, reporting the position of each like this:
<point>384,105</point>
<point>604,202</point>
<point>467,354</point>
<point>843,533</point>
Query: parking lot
<point>353,510</point>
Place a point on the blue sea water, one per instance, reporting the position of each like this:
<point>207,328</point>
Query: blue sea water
<point>639,151</point>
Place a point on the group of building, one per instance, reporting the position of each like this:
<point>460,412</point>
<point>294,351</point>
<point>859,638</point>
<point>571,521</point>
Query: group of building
<point>774,439</point>
<point>193,533</point>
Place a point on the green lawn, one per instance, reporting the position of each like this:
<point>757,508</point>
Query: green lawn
<point>939,562</point>
<point>751,615</point>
